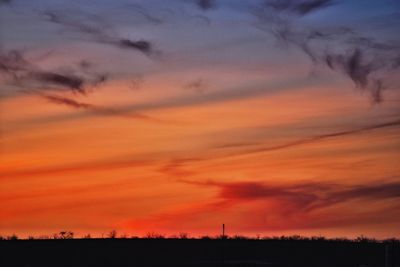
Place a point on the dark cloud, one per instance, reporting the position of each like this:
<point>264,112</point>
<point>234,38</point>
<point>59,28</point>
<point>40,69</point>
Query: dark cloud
<point>308,140</point>
<point>5,2</point>
<point>26,75</point>
<point>67,101</point>
<point>97,30</point>
<point>369,63</point>
<point>306,7</point>
<point>188,100</point>
<point>354,65</point>
<point>206,4</point>
<point>13,62</point>
<point>144,46</point>
<point>93,108</point>
<point>144,13</point>
<point>300,7</point>
<point>236,145</point>
<point>177,166</point>
<point>72,82</point>
<point>285,206</point>
<point>198,86</point>
<point>304,197</point>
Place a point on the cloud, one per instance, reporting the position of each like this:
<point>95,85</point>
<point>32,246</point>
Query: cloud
<point>94,108</point>
<point>197,86</point>
<point>198,99</point>
<point>144,46</point>
<point>31,78</point>
<point>353,65</point>
<point>300,7</point>
<point>177,167</point>
<point>5,2</point>
<point>144,13</point>
<point>97,30</point>
<point>236,145</point>
<point>304,141</point>
<point>369,63</point>
<point>307,197</point>
<point>12,63</point>
<point>300,198</point>
<point>206,4</point>
<point>66,101</point>
<point>72,82</point>
<point>259,206</point>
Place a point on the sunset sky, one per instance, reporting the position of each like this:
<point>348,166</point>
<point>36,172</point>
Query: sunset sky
<point>273,117</point>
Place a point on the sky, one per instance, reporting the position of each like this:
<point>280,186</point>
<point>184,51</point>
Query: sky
<point>272,117</point>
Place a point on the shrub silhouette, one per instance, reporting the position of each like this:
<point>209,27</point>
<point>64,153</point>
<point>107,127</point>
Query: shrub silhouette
<point>64,235</point>
<point>183,235</point>
<point>364,239</point>
<point>154,235</point>
<point>87,236</point>
<point>12,237</point>
<point>112,234</point>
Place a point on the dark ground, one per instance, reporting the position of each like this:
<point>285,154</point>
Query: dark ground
<point>194,252</point>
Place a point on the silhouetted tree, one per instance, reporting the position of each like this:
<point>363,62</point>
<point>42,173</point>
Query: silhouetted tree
<point>12,237</point>
<point>87,236</point>
<point>64,235</point>
<point>154,235</point>
<point>364,239</point>
<point>183,235</point>
<point>112,234</point>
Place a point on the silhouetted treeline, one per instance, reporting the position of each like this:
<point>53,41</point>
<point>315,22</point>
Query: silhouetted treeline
<point>154,235</point>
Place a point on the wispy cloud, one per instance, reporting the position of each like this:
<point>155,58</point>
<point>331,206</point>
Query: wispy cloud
<point>318,138</point>
<point>94,108</point>
<point>230,94</point>
<point>198,86</point>
<point>206,4</point>
<point>98,30</point>
<point>302,7</point>
<point>66,101</point>
<point>369,63</point>
<point>181,168</point>
<point>292,206</point>
<point>29,77</point>
<point>308,196</point>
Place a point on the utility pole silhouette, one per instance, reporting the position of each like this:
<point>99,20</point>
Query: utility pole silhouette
<point>222,244</point>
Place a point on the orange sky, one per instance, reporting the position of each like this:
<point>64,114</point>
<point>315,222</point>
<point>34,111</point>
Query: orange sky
<point>186,141</point>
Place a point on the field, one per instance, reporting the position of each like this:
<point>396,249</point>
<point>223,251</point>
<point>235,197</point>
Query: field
<point>196,252</point>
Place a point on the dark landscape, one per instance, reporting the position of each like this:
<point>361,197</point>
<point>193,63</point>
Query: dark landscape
<point>198,252</point>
